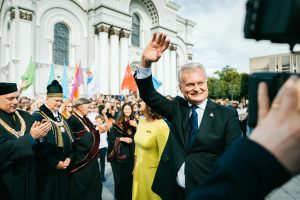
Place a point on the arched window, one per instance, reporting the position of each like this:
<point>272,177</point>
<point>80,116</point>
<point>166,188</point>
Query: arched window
<point>61,44</point>
<point>135,34</point>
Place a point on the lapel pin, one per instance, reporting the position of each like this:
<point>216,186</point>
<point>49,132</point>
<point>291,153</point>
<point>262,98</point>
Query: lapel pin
<point>211,115</point>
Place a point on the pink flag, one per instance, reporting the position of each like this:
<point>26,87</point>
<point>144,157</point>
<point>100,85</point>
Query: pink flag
<point>78,80</point>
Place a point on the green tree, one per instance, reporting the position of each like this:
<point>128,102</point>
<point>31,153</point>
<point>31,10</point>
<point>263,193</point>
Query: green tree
<point>214,88</point>
<point>244,85</point>
<point>230,82</point>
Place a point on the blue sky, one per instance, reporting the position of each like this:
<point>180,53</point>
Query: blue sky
<point>218,35</point>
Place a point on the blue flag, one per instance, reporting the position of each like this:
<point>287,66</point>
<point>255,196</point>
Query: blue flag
<point>52,75</point>
<point>64,82</point>
<point>156,83</point>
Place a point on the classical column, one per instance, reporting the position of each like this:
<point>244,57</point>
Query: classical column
<point>103,30</point>
<point>25,38</point>
<point>166,72</point>
<point>160,74</point>
<point>174,84</point>
<point>95,62</point>
<point>13,48</point>
<point>124,35</point>
<point>114,86</point>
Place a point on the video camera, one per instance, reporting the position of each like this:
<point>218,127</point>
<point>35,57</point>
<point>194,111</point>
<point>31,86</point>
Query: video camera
<point>279,22</point>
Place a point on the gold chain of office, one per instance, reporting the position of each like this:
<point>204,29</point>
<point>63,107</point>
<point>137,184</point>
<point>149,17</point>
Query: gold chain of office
<point>13,131</point>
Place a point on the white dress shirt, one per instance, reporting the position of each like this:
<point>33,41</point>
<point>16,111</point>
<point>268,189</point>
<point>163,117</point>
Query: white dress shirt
<point>180,174</point>
<point>142,73</point>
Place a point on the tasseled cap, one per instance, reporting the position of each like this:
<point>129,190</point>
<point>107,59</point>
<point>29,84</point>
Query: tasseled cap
<point>6,88</point>
<point>54,89</point>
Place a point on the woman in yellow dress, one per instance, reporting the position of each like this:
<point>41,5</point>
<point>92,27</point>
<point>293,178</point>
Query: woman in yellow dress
<point>150,140</point>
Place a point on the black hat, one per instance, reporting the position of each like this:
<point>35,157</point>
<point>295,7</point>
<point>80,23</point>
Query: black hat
<point>6,88</point>
<point>54,89</point>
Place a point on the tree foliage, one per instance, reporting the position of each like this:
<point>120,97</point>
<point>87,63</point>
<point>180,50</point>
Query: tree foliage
<point>230,84</point>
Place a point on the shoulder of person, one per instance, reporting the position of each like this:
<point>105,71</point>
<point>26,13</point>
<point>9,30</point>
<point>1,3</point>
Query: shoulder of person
<point>180,100</point>
<point>162,124</point>
<point>71,119</point>
<point>226,109</point>
<point>24,114</point>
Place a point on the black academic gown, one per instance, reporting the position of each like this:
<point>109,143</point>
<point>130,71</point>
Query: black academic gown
<point>122,167</point>
<point>53,183</point>
<point>85,182</point>
<point>17,166</point>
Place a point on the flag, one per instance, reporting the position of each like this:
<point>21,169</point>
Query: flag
<point>29,75</point>
<point>78,80</point>
<point>90,82</point>
<point>156,83</point>
<point>89,76</point>
<point>80,76</point>
<point>128,81</point>
<point>64,82</point>
<point>52,75</point>
<point>93,84</point>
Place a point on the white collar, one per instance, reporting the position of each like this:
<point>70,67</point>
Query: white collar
<point>200,105</point>
<point>55,114</point>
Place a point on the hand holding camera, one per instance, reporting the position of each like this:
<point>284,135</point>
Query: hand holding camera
<point>278,127</point>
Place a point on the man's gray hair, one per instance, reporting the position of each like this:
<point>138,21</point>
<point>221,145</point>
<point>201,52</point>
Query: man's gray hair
<point>190,66</point>
<point>81,101</point>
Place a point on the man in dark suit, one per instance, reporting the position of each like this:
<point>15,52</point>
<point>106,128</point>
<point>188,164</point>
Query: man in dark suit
<point>201,130</point>
<point>253,167</point>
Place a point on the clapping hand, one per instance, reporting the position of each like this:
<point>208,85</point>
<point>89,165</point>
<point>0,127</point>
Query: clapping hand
<point>133,123</point>
<point>40,129</point>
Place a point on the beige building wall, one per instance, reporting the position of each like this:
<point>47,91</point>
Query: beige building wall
<point>286,62</point>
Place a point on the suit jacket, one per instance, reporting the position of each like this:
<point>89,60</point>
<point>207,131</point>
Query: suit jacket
<point>219,128</point>
<point>246,171</point>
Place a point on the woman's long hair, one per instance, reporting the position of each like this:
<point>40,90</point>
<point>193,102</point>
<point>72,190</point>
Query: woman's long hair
<point>122,116</point>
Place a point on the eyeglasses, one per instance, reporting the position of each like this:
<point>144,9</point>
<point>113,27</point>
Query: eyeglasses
<point>70,106</point>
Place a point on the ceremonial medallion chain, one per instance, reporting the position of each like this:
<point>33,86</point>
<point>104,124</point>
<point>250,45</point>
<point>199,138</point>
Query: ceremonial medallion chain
<point>59,124</point>
<point>13,131</point>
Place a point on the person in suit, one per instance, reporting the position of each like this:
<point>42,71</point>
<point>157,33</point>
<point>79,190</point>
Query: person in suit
<point>200,131</point>
<point>18,135</point>
<point>253,167</point>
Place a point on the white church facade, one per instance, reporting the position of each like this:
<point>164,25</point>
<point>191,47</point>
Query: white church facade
<point>103,34</point>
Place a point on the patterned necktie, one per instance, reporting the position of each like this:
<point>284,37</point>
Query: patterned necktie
<point>193,125</point>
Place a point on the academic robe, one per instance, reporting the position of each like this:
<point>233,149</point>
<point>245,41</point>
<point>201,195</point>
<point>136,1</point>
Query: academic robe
<point>17,165</point>
<point>53,183</point>
<point>85,182</point>
<point>122,160</point>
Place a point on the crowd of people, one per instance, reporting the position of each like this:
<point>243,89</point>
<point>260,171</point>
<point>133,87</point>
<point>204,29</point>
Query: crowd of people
<point>183,147</point>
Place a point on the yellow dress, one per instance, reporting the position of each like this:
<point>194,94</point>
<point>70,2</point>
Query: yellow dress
<point>150,140</point>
